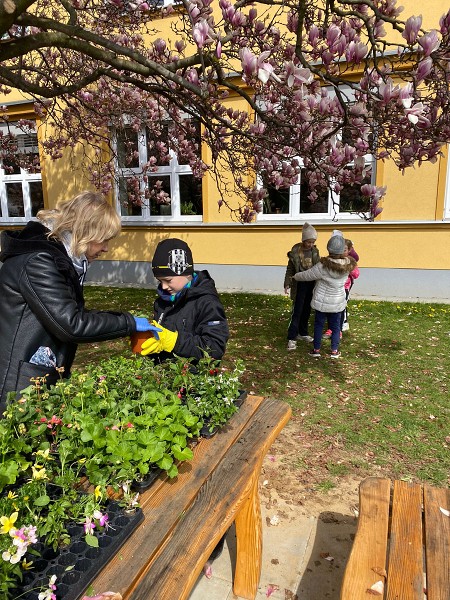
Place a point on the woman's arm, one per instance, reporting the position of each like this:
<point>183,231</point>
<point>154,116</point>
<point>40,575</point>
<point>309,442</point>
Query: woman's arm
<point>52,299</point>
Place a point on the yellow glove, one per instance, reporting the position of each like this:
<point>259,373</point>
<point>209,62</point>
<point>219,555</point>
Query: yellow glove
<point>166,342</point>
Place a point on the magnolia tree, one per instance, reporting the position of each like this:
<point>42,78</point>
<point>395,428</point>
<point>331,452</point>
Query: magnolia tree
<point>319,83</point>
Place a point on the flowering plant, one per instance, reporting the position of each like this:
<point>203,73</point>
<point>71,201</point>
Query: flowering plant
<point>209,390</point>
<point>97,432</point>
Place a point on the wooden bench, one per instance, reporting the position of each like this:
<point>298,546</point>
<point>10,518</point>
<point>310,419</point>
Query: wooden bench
<point>403,540</point>
<point>184,518</point>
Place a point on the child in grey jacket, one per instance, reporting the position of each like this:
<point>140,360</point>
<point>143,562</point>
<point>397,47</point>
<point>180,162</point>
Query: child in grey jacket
<point>329,295</point>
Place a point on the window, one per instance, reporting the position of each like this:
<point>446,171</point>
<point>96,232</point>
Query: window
<point>174,180</point>
<point>293,202</point>
<point>20,181</point>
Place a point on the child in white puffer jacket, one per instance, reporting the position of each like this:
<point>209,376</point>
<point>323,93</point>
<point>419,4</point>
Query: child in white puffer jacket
<point>329,298</point>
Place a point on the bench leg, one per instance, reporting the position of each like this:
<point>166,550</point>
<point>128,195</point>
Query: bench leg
<point>249,543</point>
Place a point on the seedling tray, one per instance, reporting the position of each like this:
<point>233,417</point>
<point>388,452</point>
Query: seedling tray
<point>78,564</point>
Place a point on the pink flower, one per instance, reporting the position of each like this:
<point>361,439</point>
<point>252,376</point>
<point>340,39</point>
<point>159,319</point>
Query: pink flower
<point>355,52</point>
<point>412,27</point>
<point>429,42</point>
<point>201,33</point>
<point>424,68</point>
<point>89,526</point>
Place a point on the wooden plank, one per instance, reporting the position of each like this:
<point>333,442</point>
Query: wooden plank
<point>437,543</point>
<point>168,500</point>
<point>229,489</point>
<point>369,549</point>
<point>249,543</point>
<point>406,562</point>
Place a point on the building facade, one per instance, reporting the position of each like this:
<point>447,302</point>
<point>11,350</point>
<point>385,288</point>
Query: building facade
<point>404,253</point>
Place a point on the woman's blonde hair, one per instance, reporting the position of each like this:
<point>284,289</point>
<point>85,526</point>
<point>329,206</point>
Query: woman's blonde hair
<point>88,217</point>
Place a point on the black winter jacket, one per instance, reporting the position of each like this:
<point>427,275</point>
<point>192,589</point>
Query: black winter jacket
<point>42,304</point>
<point>198,316</point>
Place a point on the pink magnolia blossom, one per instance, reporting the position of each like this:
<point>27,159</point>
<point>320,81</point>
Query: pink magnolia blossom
<point>429,42</point>
<point>202,33</point>
<point>355,52</point>
<point>412,28</point>
<point>424,68</point>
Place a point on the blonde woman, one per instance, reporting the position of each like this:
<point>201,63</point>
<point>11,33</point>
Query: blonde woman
<point>43,317</point>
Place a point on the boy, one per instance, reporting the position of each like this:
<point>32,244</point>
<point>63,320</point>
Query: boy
<point>301,257</point>
<point>190,315</point>
<point>188,309</point>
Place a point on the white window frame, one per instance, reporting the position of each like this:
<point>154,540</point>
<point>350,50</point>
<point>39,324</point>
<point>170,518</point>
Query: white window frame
<point>333,211</point>
<point>447,187</point>
<point>24,178</point>
<point>174,170</point>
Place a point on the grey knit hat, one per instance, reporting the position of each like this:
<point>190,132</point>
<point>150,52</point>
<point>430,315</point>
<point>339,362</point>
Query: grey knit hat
<point>308,232</point>
<point>336,244</point>
<point>172,257</point>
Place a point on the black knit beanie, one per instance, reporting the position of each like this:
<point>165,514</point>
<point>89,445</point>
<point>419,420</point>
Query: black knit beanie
<point>172,257</point>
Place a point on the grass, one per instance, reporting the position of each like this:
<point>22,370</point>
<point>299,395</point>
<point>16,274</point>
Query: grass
<point>381,409</point>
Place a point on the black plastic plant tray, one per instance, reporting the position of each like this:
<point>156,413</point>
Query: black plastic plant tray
<point>241,398</point>
<point>144,483</point>
<point>77,564</point>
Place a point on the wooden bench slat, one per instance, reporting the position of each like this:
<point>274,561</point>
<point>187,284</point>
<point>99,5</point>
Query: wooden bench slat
<point>230,490</point>
<point>166,501</point>
<point>370,545</point>
<point>405,570</point>
<point>437,543</point>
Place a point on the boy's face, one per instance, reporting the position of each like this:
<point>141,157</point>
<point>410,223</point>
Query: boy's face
<point>174,283</point>
<point>308,244</point>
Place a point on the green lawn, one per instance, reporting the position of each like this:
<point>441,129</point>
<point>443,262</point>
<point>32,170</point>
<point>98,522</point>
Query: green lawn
<point>383,407</point>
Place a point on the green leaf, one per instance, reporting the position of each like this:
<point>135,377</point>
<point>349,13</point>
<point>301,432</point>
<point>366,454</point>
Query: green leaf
<point>165,463</point>
<point>91,540</point>
<point>179,454</point>
<point>42,501</point>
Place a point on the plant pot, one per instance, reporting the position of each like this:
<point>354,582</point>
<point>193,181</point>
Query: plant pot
<point>144,483</point>
<point>138,338</point>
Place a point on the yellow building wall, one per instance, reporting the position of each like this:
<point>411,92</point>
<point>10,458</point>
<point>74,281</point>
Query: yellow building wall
<point>409,233</point>
<point>391,246</point>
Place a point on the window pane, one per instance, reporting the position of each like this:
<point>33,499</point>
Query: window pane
<point>127,148</point>
<point>15,200</point>
<point>194,134</point>
<point>318,206</point>
<point>351,199</point>
<point>277,201</point>
<point>36,197</point>
<point>127,207</point>
<point>157,144</point>
<point>10,167</point>
<point>190,195</point>
<point>155,186</point>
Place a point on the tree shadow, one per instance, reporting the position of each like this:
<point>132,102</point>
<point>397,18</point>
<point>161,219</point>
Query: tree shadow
<point>325,562</point>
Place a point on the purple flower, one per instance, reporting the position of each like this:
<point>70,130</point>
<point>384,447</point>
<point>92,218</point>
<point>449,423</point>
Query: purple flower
<point>429,42</point>
<point>412,27</point>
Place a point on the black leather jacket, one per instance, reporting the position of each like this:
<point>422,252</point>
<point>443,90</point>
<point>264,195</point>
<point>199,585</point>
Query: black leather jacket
<point>42,304</point>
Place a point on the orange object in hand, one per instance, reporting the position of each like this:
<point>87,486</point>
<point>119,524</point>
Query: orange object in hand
<point>138,338</point>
